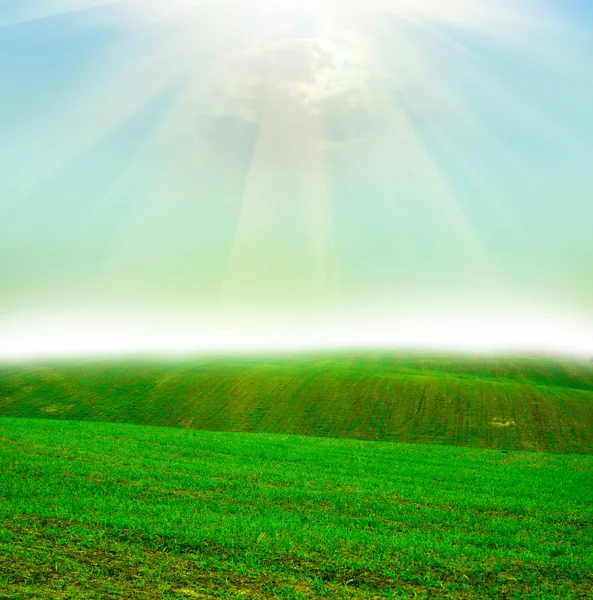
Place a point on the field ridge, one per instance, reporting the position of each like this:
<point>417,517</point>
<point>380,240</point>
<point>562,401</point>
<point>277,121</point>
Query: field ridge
<point>512,403</point>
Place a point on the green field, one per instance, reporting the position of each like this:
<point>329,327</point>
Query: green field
<point>104,510</point>
<point>284,478</point>
<point>512,403</point>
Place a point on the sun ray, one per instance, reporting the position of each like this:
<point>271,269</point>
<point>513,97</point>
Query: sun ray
<point>22,12</point>
<point>282,164</point>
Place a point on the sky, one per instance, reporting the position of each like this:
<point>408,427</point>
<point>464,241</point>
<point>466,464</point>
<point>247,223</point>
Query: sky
<point>210,175</point>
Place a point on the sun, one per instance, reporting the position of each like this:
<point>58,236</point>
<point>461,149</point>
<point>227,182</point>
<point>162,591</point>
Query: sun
<point>255,161</point>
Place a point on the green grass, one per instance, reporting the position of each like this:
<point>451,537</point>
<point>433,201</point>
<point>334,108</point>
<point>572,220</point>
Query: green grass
<point>512,403</point>
<point>94,503</point>
<point>107,510</point>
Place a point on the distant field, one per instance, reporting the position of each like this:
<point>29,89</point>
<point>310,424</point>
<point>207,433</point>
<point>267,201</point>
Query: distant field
<point>107,510</point>
<point>520,403</point>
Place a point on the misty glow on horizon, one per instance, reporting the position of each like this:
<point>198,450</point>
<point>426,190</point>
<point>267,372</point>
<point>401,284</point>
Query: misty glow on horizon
<point>211,175</point>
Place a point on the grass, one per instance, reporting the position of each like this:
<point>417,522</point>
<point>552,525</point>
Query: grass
<point>284,478</point>
<point>108,510</point>
<point>513,403</point>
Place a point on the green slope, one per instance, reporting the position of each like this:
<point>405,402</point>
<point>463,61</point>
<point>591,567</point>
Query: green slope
<point>535,404</point>
<point>109,510</point>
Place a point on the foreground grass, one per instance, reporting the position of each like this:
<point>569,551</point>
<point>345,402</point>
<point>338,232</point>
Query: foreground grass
<point>105,510</point>
<point>512,403</point>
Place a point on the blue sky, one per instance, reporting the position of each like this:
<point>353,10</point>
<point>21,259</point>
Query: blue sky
<point>250,173</point>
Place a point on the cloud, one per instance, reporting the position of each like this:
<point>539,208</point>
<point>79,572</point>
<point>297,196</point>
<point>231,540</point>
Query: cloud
<point>334,75</point>
<point>339,61</point>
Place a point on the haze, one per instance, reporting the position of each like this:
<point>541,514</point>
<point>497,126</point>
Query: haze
<point>210,175</point>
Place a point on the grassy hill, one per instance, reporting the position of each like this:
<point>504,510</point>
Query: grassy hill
<point>513,403</point>
<point>108,510</point>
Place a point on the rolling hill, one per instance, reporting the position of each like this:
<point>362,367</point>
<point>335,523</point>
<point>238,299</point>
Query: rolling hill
<point>515,403</point>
